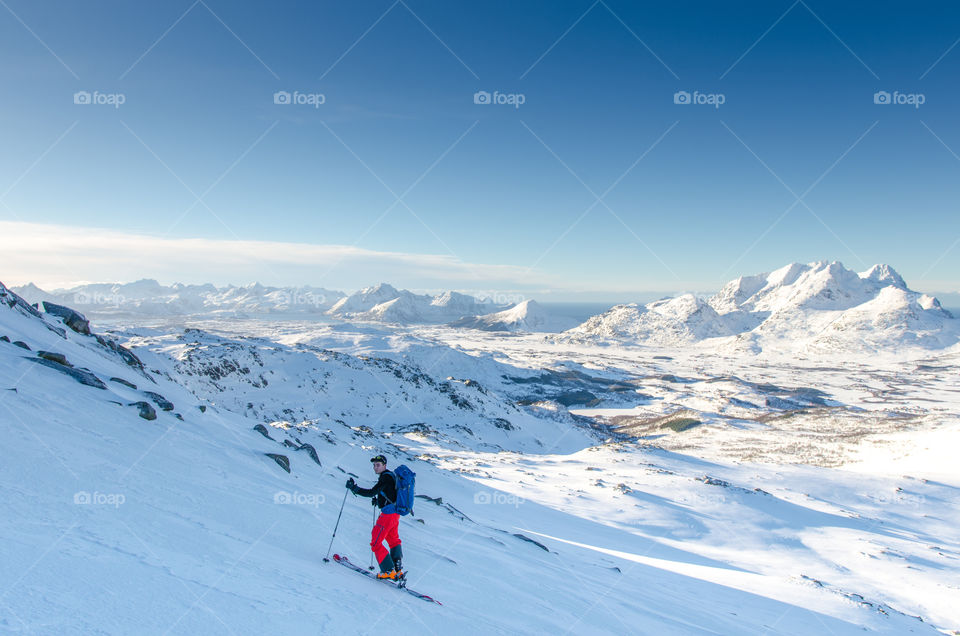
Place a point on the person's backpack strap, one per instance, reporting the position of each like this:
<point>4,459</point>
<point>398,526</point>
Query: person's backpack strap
<point>396,488</point>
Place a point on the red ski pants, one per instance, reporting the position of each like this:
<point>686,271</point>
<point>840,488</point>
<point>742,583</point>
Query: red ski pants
<point>385,530</point>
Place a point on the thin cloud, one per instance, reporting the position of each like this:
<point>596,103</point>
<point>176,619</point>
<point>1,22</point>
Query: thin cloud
<point>56,255</point>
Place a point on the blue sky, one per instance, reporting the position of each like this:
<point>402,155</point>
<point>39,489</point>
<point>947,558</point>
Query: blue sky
<point>598,181</point>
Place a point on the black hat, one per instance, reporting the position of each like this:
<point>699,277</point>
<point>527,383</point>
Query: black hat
<point>379,458</point>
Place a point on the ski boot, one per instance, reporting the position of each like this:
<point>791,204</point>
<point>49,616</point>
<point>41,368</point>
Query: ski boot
<point>396,553</point>
<point>387,570</point>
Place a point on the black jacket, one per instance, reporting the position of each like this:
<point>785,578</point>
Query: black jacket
<point>385,490</point>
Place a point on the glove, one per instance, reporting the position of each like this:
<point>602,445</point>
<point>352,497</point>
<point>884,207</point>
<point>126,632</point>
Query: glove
<point>351,485</point>
<point>373,500</point>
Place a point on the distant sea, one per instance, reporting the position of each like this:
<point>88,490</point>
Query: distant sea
<point>577,311</point>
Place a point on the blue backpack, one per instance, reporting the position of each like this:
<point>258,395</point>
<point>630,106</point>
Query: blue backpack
<point>405,479</point>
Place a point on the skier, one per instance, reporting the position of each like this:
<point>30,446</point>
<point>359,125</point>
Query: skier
<point>384,494</point>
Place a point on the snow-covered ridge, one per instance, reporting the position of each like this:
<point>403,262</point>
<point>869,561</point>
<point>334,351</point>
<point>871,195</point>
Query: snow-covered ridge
<point>149,298</point>
<point>820,306</point>
<point>385,303</point>
<point>524,316</point>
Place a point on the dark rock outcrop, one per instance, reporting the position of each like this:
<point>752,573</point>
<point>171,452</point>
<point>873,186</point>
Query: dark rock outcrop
<point>13,300</point>
<point>159,400</point>
<point>125,354</point>
<point>312,452</point>
<point>124,382</point>
<point>282,460</point>
<point>22,344</point>
<point>73,319</point>
<point>529,540</point>
<point>54,357</point>
<point>260,428</point>
<point>83,376</point>
<point>4,339</point>
<point>147,411</point>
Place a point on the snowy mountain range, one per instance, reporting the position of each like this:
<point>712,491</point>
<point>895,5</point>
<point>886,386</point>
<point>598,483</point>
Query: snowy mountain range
<point>149,298</point>
<point>385,303</point>
<point>380,303</point>
<point>820,306</point>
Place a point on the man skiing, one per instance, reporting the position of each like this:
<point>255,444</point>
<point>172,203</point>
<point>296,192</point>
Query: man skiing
<point>384,494</point>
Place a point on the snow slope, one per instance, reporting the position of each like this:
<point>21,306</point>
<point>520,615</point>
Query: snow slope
<point>819,306</point>
<point>117,524</point>
<point>524,316</point>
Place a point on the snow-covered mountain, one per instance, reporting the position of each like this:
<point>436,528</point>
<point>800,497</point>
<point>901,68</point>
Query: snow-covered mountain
<point>524,316</point>
<point>385,303</point>
<point>670,321</point>
<point>191,482</point>
<point>149,298</point>
<point>820,306</point>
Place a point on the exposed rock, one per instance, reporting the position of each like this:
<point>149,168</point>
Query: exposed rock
<point>147,411</point>
<point>83,376</point>
<point>124,382</point>
<point>4,339</point>
<point>292,445</point>
<point>713,481</point>
<point>260,428</point>
<point>125,354</point>
<point>13,300</point>
<point>203,408</point>
<point>312,452</point>
<point>73,319</point>
<point>282,460</point>
<point>54,357</point>
<point>529,540</point>
<point>21,344</point>
<point>159,400</point>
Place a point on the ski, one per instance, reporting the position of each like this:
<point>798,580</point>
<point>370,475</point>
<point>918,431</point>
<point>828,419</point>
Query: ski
<point>401,585</point>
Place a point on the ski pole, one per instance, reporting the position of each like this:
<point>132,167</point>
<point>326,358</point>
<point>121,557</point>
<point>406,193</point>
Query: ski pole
<point>327,558</point>
<point>374,523</point>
